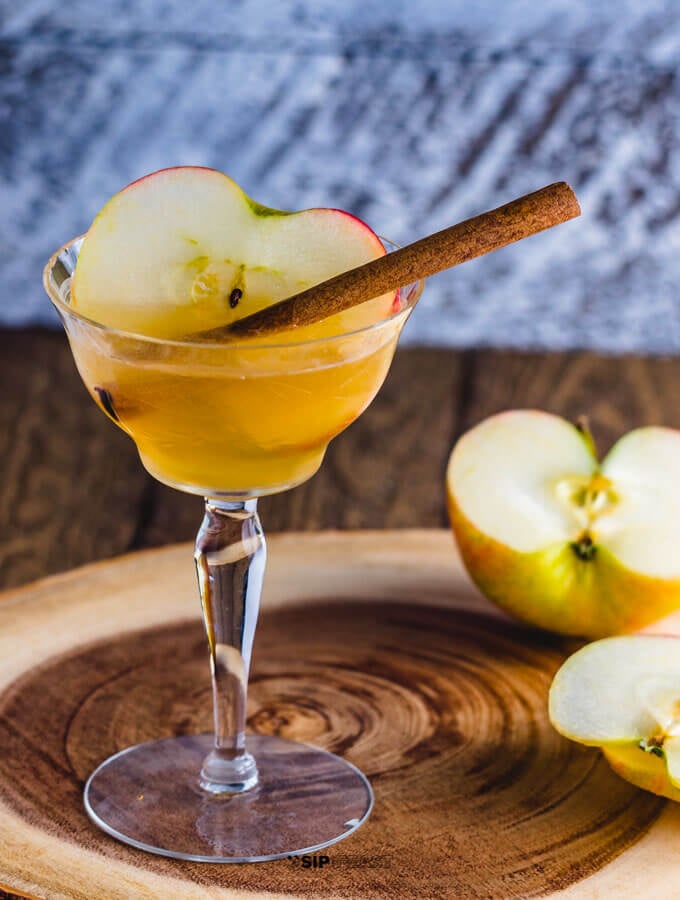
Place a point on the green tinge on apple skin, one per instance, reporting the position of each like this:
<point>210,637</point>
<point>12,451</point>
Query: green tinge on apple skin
<point>555,590</point>
<point>258,209</point>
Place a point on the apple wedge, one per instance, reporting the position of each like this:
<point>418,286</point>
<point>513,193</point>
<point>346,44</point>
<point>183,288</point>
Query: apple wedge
<point>185,250</point>
<point>623,694</point>
<point>559,540</point>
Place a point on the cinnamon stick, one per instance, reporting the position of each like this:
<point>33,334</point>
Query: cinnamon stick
<point>474,237</point>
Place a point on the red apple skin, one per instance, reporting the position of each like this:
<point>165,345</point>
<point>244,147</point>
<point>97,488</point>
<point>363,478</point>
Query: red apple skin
<point>644,770</point>
<point>591,599</point>
<point>169,169</point>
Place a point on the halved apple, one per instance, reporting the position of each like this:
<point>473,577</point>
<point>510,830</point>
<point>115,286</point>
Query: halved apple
<point>559,540</point>
<point>185,250</point>
<point>623,694</point>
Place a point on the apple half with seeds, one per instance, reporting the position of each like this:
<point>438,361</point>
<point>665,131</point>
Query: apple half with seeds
<point>185,250</point>
<point>623,694</point>
<point>560,540</point>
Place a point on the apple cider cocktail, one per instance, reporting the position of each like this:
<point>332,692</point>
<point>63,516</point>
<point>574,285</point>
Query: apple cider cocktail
<point>163,302</point>
<point>208,416</point>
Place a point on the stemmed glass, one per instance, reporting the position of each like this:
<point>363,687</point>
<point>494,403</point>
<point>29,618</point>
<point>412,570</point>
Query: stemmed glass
<point>231,422</point>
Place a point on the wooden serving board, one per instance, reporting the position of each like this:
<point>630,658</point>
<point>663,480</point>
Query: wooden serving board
<point>371,644</point>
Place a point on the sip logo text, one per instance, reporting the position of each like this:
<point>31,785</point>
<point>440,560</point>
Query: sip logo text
<point>309,861</point>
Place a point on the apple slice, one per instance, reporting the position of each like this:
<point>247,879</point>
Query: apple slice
<point>623,694</point>
<point>184,250</point>
<point>557,539</point>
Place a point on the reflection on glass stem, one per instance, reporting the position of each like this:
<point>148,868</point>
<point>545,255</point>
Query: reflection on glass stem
<point>230,559</point>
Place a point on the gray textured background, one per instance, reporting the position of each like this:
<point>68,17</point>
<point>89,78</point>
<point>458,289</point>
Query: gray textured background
<point>412,115</point>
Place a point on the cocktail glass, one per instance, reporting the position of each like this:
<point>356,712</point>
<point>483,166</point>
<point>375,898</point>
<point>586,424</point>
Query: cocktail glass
<point>231,422</point>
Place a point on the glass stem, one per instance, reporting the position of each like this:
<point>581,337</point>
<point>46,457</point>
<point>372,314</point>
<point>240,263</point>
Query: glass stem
<point>230,559</point>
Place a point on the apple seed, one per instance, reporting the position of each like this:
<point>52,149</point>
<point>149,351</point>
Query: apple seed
<point>234,297</point>
<point>584,547</point>
<point>652,745</point>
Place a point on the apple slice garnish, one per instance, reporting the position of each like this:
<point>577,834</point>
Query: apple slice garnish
<point>559,540</point>
<point>185,250</point>
<point>623,694</point>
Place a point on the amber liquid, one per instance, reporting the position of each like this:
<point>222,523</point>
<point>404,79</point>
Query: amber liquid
<point>234,421</point>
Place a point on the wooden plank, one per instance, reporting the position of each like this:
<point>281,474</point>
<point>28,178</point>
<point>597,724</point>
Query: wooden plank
<point>371,644</point>
<point>410,117</point>
<point>616,393</point>
<point>71,485</point>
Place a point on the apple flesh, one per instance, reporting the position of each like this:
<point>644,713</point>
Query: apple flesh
<point>185,250</point>
<point>559,540</point>
<point>623,694</point>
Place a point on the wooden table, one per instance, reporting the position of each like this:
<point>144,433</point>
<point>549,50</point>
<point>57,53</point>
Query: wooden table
<point>74,491</point>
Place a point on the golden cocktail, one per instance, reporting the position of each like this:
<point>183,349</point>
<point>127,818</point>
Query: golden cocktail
<point>230,421</point>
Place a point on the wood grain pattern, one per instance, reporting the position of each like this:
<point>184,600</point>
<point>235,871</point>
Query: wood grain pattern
<point>617,393</point>
<point>372,645</point>
<point>71,485</point>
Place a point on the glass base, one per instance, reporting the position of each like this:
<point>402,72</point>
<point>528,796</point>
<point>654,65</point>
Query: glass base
<point>149,796</point>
